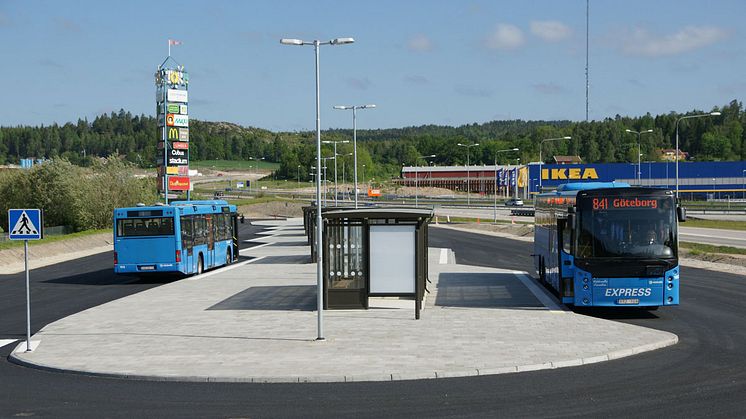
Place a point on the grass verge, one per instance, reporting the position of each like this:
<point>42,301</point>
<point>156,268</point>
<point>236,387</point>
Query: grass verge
<point>723,224</point>
<point>698,248</point>
<point>474,220</point>
<point>51,239</point>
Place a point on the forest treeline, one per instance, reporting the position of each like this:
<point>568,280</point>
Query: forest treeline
<point>383,151</point>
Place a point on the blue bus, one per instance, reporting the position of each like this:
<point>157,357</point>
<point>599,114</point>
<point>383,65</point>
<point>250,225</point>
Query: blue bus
<point>185,237</point>
<point>608,244</point>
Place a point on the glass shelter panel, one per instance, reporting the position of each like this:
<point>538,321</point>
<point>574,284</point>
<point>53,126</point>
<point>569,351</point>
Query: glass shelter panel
<point>346,258</point>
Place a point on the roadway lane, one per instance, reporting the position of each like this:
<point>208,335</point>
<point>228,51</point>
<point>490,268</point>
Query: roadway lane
<point>704,375</point>
<point>718,237</point>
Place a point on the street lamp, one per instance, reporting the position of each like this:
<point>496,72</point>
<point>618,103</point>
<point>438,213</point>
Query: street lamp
<point>354,137</point>
<point>319,242</point>
<point>541,161</point>
<point>257,169</point>
<point>298,176</point>
<point>639,153</point>
<point>335,165</point>
<point>676,152</point>
<point>416,177</point>
<point>325,178</point>
<point>496,153</point>
<point>743,183</point>
<point>468,186</point>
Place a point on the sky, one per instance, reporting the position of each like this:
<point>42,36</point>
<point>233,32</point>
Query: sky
<point>420,62</point>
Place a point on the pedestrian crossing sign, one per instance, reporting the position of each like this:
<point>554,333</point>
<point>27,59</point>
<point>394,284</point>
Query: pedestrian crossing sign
<point>24,224</point>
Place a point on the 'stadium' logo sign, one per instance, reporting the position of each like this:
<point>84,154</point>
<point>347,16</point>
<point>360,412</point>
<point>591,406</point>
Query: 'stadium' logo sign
<point>178,153</point>
<point>573,173</point>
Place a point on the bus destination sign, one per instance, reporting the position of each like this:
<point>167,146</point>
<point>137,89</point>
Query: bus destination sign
<point>603,204</point>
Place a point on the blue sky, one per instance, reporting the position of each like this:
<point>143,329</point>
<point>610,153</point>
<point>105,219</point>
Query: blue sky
<point>420,62</point>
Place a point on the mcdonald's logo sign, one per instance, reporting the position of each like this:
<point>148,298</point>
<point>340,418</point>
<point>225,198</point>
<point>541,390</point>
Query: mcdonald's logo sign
<point>173,133</point>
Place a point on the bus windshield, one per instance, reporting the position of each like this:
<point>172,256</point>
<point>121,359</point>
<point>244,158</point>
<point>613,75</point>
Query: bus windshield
<point>139,227</point>
<point>626,227</point>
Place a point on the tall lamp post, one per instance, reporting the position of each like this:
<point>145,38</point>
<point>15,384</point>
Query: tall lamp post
<point>468,186</point>
<point>416,177</point>
<point>676,152</point>
<point>335,166</point>
<point>257,170</point>
<point>639,153</point>
<point>298,176</point>
<point>354,137</point>
<point>319,247</point>
<point>743,183</point>
<point>362,182</point>
<point>496,153</point>
<point>541,161</point>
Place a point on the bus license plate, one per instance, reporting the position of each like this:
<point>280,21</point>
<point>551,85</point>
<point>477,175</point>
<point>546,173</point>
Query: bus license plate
<point>147,268</point>
<point>626,301</point>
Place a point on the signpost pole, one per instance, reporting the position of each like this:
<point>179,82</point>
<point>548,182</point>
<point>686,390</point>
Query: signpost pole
<point>28,298</point>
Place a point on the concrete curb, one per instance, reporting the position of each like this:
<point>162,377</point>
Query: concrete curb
<point>396,376</point>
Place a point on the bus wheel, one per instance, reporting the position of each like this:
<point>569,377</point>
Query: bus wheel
<point>200,266</point>
<point>228,258</point>
<point>651,308</point>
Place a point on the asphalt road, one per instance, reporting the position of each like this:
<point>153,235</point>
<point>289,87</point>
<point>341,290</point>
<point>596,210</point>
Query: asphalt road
<point>704,375</point>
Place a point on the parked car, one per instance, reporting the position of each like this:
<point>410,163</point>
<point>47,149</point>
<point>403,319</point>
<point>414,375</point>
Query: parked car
<point>514,202</point>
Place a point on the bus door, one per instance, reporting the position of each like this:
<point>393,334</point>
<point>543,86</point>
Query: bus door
<point>564,257</point>
<point>234,234</point>
<point>187,243</point>
<point>210,230</point>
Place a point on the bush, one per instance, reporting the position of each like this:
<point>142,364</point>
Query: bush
<point>82,198</point>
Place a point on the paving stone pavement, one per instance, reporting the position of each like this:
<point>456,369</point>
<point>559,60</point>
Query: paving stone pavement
<point>256,322</point>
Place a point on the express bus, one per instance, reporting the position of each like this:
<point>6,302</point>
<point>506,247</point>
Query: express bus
<point>185,237</point>
<point>608,244</point>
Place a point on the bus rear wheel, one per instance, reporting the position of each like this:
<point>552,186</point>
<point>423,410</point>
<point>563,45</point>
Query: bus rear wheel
<point>228,258</point>
<point>200,266</point>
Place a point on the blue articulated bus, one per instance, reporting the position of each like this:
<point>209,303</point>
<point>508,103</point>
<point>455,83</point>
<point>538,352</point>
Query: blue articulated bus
<point>608,244</point>
<point>185,237</point>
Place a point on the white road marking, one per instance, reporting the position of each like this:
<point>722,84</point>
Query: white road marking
<point>23,346</point>
<point>443,257</point>
<point>4,342</point>
<point>223,269</point>
<point>539,293</point>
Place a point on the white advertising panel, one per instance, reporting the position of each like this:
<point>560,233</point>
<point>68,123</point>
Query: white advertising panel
<point>174,95</point>
<point>181,121</point>
<point>392,259</point>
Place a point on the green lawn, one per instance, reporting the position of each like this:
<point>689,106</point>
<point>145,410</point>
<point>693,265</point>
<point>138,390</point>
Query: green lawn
<point>233,164</point>
<point>726,225</point>
<point>698,248</point>
<point>51,239</point>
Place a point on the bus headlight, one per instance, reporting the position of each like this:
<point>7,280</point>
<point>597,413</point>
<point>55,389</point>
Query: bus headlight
<point>585,287</point>
<point>670,278</point>
<point>670,286</point>
<point>585,280</point>
<point>586,301</point>
<point>670,299</point>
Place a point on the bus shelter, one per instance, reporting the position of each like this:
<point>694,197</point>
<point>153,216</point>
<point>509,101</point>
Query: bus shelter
<point>374,252</point>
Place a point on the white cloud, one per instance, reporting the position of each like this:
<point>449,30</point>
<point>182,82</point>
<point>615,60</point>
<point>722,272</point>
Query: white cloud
<point>359,84</point>
<point>549,88</point>
<point>416,79</point>
<point>420,43</point>
<point>550,30</point>
<point>642,42</point>
<point>505,37</point>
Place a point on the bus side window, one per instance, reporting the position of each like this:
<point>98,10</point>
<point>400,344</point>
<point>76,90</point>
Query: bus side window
<point>566,237</point>
<point>186,232</point>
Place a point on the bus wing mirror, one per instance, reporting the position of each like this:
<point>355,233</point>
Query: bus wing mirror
<point>681,213</point>
<point>571,220</point>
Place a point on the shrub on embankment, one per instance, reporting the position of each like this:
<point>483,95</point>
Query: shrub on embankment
<point>82,198</point>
